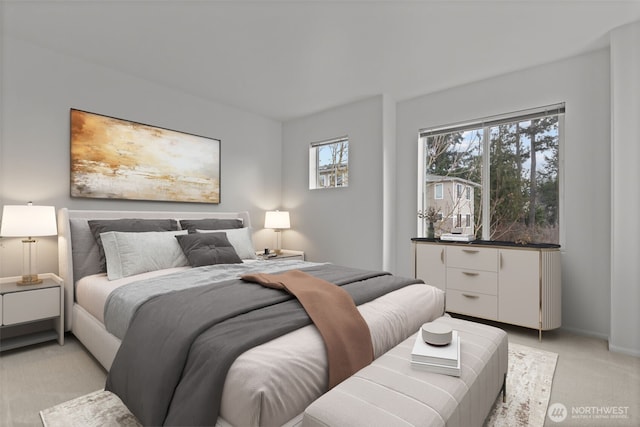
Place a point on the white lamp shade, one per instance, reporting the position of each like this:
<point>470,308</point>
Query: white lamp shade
<point>277,219</point>
<point>28,221</point>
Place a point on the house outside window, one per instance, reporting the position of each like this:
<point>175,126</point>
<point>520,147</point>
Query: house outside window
<point>510,169</point>
<point>329,163</point>
<point>451,207</point>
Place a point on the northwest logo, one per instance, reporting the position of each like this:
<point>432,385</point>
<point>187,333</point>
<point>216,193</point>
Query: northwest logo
<point>557,412</point>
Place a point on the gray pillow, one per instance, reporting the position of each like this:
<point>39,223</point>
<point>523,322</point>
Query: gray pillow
<point>208,249</point>
<point>134,253</point>
<point>210,224</point>
<point>130,225</point>
<point>240,239</point>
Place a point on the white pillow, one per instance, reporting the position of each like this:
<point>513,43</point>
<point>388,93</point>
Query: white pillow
<point>134,253</point>
<point>240,239</point>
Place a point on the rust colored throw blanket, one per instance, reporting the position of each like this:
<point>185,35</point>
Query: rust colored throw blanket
<point>344,331</point>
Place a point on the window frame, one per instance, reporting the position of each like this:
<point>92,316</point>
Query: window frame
<point>314,165</point>
<point>485,124</point>
<point>435,191</point>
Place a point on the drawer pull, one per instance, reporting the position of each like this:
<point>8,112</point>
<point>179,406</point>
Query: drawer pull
<point>470,273</point>
<point>470,251</point>
<point>442,256</point>
<point>470,296</point>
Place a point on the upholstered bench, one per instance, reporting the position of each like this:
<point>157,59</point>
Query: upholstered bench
<point>391,392</point>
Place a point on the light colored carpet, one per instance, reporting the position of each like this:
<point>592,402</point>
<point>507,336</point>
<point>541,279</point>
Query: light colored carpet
<point>528,389</point>
<point>529,380</point>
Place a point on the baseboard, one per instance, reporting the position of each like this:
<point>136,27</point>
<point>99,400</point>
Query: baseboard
<point>613,348</point>
<point>586,333</point>
<point>624,350</point>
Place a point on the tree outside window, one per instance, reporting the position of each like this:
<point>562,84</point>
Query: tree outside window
<point>509,167</point>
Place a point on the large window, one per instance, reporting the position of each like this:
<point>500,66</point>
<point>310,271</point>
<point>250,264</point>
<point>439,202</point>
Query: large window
<point>329,163</point>
<point>509,168</point>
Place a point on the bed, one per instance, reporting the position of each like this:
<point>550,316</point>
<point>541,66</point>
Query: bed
<point>269,384</point>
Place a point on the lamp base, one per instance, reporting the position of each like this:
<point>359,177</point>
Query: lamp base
<point>29,279</point>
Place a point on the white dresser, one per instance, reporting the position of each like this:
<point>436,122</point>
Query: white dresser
<point>516,284</point>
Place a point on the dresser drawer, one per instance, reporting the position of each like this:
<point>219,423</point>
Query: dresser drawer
<point>27,306</point>
<point>485,259</point>
<point>472,304</point>
<point>484,282</point>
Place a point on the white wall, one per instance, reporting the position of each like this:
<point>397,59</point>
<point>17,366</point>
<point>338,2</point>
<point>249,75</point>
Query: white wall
<point>583,83</point>
<point>39,86</point>
<point>625,192</point>
<point>341,225</point>
<point>390,182</point>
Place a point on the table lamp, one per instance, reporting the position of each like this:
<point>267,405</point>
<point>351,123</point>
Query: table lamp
<point>278,220</point>
<point>31,221</point>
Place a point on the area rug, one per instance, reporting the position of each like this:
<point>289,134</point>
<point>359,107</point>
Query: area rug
<point>100,408</point>
<point>529,379</point>
<point>528,389</point>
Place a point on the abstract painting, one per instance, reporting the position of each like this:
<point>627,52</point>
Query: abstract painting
<point>119,159</point>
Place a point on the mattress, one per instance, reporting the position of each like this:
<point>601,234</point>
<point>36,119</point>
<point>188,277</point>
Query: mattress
<point>273,383</point>
<point>92,291</point>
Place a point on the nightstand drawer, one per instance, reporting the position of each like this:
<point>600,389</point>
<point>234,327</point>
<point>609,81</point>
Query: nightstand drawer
<point>484,282</point>
<point>471,258</point>
<point>472,304</point>
<point>27,306</point>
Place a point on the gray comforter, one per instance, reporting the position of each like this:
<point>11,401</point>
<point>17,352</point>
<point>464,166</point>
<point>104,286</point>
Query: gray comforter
<point>122,303</point>
<point>173,360</point>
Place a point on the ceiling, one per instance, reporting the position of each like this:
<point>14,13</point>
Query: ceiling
<point>286,59</point>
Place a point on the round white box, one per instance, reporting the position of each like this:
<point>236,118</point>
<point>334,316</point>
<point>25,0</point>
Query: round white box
<point>436,333</point>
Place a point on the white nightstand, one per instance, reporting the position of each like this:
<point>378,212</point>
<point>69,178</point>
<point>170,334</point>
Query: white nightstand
<point>24,304</point>
<point>284,255</point>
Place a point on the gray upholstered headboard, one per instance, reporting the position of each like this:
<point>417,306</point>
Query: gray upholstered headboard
<point>78,251</point>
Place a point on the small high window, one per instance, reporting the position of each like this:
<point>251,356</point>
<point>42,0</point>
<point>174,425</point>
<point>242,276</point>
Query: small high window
<point>329,163</point>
